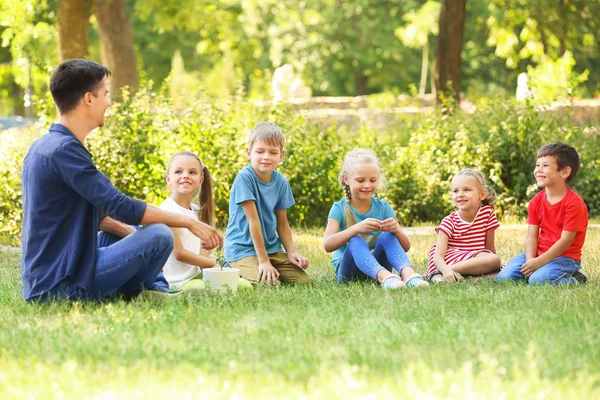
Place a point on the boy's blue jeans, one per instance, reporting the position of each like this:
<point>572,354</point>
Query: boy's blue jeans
<point>358,262</point>
<point>557,272</point>
<point>123,266</point>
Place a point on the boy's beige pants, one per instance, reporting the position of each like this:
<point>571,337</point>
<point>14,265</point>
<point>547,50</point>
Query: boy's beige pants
<point>288,272</point>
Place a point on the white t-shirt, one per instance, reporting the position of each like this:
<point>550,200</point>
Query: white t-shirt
<point>177,272</point>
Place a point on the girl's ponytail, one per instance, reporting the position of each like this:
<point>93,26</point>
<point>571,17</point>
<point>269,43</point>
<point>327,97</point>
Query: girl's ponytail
<point>490,197</point>
<point>206,213</point>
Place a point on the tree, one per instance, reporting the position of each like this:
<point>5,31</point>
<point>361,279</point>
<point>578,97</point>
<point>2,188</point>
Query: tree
<point>420,25</point>
<point>73,21</point>
<point>116,36</point>
<point>528,34</point>
<point>449,48</point>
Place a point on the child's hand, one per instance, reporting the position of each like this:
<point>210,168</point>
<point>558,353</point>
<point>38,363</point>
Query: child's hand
<point>369,225</point>
<point>451,276</point>
<point>268,274</point>
<point>298,260</point>
<point>530,267</point>
<point>390,225</point>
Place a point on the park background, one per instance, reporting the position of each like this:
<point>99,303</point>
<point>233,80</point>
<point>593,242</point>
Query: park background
<point>429,85</point>
<point>197,75</point>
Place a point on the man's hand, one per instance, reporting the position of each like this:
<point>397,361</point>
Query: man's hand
<point>268,274</point>
<point>209,235</point>
<point>390,225</point>
<point>530,267</point>
<point>298,260</point>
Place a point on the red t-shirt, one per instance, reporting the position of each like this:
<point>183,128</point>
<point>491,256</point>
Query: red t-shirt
<point>570,214</point>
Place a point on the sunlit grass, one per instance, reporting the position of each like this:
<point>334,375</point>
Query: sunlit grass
<point>325,341</point>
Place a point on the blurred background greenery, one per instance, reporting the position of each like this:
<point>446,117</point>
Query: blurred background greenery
<point>197,75</point>
<point>338,48</point>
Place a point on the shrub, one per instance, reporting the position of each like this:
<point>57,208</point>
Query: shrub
<point>419,158</point>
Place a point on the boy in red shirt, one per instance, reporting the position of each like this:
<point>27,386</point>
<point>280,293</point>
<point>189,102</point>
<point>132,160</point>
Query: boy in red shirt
<point>557,218</point>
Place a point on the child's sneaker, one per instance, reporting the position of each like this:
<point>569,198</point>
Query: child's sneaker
<point>580,276</point>
<point>392,281</point>
<point>436,278</point>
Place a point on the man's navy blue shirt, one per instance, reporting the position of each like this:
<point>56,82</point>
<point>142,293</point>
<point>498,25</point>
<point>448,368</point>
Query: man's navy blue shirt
<point>64,199</point>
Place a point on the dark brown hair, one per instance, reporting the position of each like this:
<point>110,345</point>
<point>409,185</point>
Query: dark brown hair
<point>566,156</point>
<point>72,79</point>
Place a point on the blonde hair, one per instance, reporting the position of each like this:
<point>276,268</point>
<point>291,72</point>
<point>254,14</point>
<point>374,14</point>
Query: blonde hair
<point>204,196</point>
<point>266,132</point>
<point>351,161</point>
<point>490,197</point>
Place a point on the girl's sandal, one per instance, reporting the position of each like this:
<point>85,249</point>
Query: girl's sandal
<point>416,281</point>
<point>393,282</point>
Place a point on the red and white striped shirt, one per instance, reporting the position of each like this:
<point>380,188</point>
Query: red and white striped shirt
<point>465,239</point>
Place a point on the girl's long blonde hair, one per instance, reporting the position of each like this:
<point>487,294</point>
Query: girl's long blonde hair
<point>354,158</point>
<point>490,197</point>
<point>204,196</point>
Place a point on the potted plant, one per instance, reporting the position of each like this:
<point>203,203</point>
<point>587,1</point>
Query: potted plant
<point>223,278</point>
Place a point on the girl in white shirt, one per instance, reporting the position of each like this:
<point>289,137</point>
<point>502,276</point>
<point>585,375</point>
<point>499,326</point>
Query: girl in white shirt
<point>188,179</point>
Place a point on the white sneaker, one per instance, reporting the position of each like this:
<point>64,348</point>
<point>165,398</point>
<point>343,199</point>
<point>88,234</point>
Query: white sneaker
<point>436,278</point>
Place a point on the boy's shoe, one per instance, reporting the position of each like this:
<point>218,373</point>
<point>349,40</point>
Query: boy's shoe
<point>581,276</point>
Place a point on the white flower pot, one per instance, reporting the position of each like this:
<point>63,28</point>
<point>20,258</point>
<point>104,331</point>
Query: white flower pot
<point>221,280</point>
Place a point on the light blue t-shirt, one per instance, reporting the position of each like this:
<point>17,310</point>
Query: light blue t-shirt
<point>275,195</point>
<point>380,209</point>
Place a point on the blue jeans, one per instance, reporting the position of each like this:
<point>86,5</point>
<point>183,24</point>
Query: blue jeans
<point>358,263</point>
<point>123,266</point>
<point>160,283</point>
<point>557,272</point>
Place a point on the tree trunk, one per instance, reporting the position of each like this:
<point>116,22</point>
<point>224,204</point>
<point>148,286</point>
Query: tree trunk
<point>73,20</point>
<point>360,83</point>
<point>449,48</point>
<point>118,52</point>
<point>424,66</point>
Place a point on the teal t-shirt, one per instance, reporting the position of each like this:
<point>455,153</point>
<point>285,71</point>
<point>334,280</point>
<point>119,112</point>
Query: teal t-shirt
<point>275,195</point>
<point>380,209</point>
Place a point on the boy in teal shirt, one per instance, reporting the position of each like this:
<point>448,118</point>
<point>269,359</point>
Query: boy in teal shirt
<point>258,230</point>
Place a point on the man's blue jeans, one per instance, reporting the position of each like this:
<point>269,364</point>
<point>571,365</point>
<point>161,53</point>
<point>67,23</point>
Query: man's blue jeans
<point>123,266</point>
<point>358,262</point>
<point>557,272</point>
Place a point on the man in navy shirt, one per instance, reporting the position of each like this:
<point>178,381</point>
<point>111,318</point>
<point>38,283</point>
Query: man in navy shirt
<point>66,201</point>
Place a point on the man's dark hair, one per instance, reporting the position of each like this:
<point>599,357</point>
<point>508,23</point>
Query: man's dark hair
<point>74,78</point>
<point>565,156</point>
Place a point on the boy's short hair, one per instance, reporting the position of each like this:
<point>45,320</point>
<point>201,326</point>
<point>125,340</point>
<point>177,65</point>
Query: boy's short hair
<point>565,156</point>
<point>74,78</point>
<point>268,133</point>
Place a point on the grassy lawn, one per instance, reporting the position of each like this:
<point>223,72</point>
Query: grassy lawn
<point>327,341</point>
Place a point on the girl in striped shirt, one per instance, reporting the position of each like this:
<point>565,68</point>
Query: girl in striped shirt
<point>465,244</point>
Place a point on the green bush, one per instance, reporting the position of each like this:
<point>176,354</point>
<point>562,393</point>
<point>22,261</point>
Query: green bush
<point>419,158</point>
<point>15,143</point>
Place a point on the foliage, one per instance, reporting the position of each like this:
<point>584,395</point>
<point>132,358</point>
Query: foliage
<point>27,30</point>
<point>552,80</point>
<point>338,48</point>
<point>15,143</point>
<point>528,33</point>
<point>419,157</point>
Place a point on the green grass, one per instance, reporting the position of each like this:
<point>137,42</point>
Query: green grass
<point>326,341</point>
